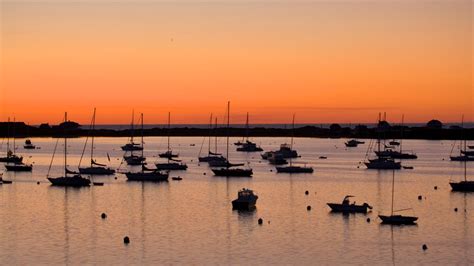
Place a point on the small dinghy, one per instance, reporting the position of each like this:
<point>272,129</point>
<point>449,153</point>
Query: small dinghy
<point>177,178</point>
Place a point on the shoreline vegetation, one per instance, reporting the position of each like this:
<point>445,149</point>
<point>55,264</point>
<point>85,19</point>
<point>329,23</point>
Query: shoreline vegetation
<point>433,130</point>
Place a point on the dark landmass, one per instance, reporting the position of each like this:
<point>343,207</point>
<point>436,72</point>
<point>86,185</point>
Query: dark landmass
<point>432,131</point>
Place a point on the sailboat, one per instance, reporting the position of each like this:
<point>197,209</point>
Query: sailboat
<point>146,174</point>
<point>465,185</point>
<point>390,153</point>
<point>28,145</point>
<point>11,156</point>
<point>168,153</point>
<point>228,169</point>
<point>464,154</point>
<point>94,168</point>
<point>172,163</point>
<point>16,166</point>
<point>248,146</point>
<point>212,156</point>
<point>397,219</point>
<point>292,169</point>
<point>382,162</point>
<point>76,180</point>
<point>132,146</point>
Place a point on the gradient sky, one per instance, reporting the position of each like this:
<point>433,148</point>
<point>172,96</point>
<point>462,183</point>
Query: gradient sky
<point>326,61</point>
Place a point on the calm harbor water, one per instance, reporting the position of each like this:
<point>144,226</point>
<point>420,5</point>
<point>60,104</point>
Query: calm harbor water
<point>192,222</point>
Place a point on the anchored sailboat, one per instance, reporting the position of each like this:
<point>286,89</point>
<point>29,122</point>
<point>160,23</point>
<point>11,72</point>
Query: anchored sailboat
<point>169,153</point>
<point>212,156</point>
<point>94,168</point>
<point>76,180</point>
<point>132,146</point>
<point>146,174</point>
<point>248,146</point>
<point>172,163</point>
<point>397,219</point>
<point>11,156</point>
<point>465,185</point>
<point>227,170</point>
<point>292,169</point>
<point>12,164</point>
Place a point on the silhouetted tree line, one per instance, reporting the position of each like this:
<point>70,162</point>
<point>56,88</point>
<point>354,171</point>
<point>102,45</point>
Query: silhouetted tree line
<point>432,130</point>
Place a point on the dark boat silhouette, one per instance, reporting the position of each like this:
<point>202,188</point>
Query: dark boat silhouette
<point>132,146</point>
<point>146,174</point>
<point>212,156</point>
<point>396,219</point>
<point>11,156</point>
<point>19,167</point>
<point>28,145</point>
<point>76,180</point>
<point>248,146</point>
<point>464,185</point>
<point>171,164</point>
<point>347,207</point>
<point>246,200</point>
<point>94,168</point>
<point>228,170</point>
<point>353,143</point>
<point>277,159</point>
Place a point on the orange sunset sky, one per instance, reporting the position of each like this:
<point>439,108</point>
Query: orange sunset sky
<point>326,61</point>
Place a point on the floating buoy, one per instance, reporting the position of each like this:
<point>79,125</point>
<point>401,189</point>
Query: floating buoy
<point>115,178</point>
<point>308,207</point>
<point>455,209</point>
<point>268,221</point>
<point>368,220</point>
<point>358,166</point>
<point>271,170</point>
<point>260,221</point>
<point>435,187</point>
<point>38,182</point>
<point>126,240</point>
<point>306,192</point>
<point>203,173</point>
<point>199,164</point>
<point>103,215</point>
<point>420,197</point>
<point>424,247</point>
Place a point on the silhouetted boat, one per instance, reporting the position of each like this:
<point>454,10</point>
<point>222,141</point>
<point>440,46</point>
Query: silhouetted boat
<point>212,156</point>
<point>347,207</point>
<point>465,185</point>
<point>248,146</point>
<point>246,200</point>
<point>381,162</point>
<point>467,153</point>
<point>227,170</point>
<point>11,156</point>
<point>353,143</point>
<point>146,174</point>
<point>94,168</point>
<point>291,168</point>
<point>28,145</point>
<point>177,178</point>
<point>396,154</point>
<point>132,146</point>
<point>134,160</point>
<point>152,175</point>
<point>462,158</point>
<point>76,180</point>
<point>394,143</point>
<point>19,167</point>
<point>397,219</point>
<point>171,164</point>
<point>471,147</point>
<point>464,154</point>
<point>276,159</point>
<point>294,169</point>
<point>169,153</point>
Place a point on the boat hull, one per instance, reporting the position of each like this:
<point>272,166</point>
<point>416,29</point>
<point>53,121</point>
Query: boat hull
<point>348,208</point>
<point>294,169</point>
<point>463,186</point>
<point>207,159</point>
<point>19,168</point>
<point>398,219</point>
<point>463,158</point>
<point>11,159</point>
<point>233,172</point>
<point>171,166</point>
<point>243,205</point>
<point>96,171</point>
<point>74,181</point>
<point>150,177</point>
<point>383,165</point>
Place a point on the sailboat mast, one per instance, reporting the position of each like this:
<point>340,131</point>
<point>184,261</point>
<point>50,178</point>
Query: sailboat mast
<point>65,145</point>
<point>401,134</point>
<point>247,127</point>
<point>143,143</point>
<point>8,136</point>
<point>228,125</point>
<point>292,136</point>
<point>210,134</point>
<point>378,134</point>
<point>14,137</point>
<point>92,138</point>
<point>132,126</point>
<point>169,130</point>
<point>215,131</point>
<point>465,147</point>
<point>393,189</point>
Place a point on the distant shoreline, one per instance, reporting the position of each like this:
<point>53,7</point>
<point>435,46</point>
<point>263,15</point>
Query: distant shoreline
<point>335,131</point>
